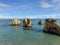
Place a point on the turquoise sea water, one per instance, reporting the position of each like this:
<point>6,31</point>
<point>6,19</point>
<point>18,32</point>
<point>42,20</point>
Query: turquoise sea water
<point>14,35</point>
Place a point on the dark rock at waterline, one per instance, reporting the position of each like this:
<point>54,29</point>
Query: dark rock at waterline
<point>40,23</point>
<point>14,24</point>
<point>51,25</point>
<point>27,22</point>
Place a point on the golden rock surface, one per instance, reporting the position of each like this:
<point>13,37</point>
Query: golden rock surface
<point>15,22</point>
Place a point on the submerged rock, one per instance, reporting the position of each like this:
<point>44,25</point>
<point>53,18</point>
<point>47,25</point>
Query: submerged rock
<point>40,22</point>
<point>27,22</point>
<point>51,25</point>
<point>15,22</point>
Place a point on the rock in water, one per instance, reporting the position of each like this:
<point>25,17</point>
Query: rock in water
<point>15,22</point>
<point>40,22</point>
<point>51,25</point>
<point>27,23</point>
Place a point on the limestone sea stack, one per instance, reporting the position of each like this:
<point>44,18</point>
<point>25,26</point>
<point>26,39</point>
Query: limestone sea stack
<point>27,22</point>
<point>40,23</point>
<point>15,22</point>
<point>51,25</point>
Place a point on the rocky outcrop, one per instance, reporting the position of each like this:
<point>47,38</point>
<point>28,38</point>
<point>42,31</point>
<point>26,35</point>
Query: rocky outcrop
<point>40,23</point>
<point>51,25</point>
<point>27,22</point>
<point>15,22</point>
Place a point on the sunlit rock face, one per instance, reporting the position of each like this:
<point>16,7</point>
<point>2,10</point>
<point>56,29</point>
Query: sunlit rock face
<point>40,23</point>
<point>51,25</point>
<point>15,22</point>
<point>27,22</point>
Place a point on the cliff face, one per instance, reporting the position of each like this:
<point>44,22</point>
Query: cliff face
<point>27,23</point>
<point>51,25</point>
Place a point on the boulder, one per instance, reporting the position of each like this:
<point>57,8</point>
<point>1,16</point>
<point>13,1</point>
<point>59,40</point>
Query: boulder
<point>27,22</point>
<point>40,22</point>
<point>51,26</point>
<point>15,22</point>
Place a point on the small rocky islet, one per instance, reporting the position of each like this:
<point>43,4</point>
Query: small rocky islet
<point>27,22</point>
<point>15,22</point>
<point>40,22</point>
<point>50,25</point>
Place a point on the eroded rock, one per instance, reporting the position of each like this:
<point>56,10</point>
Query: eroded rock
<point>15,22</point>
<point>27,22</point>
<point>40,22</point>
<point>51,25</point>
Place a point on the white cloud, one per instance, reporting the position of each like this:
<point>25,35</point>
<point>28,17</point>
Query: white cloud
<point>53,4</point>
<point>55,1</point>
<point>26,7</point>
<point>57,4</point>
<point>4,5</point>
<point>44,4</point>
<point>57,16</point>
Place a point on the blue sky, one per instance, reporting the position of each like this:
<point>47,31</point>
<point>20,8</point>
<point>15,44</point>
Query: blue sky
<point>28,8</point>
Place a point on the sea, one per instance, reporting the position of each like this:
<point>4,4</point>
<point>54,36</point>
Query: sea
<point>19,35</point>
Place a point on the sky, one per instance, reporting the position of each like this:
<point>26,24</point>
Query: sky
<point>29,8</point>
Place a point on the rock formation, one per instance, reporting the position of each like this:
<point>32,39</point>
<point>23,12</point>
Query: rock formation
<point>40,22</point>
<point>15,22</point>
<point>27,23</point>
<point>51,25</point>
